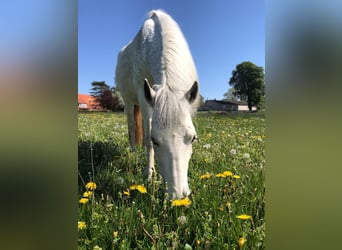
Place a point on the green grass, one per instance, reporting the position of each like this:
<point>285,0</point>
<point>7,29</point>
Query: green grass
<point>115,220</point>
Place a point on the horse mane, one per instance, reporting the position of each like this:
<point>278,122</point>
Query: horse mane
<point>177,62</point>
<point>179,72</point>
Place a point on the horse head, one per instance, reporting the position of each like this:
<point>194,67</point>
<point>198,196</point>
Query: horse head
<point>172,134</point>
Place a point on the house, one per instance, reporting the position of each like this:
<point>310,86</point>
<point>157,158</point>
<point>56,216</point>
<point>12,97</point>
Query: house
<point>228,106</point>
<point>88,103</point>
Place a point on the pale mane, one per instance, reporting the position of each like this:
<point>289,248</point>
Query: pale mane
<point>179,73</point>
<point>178,65</point>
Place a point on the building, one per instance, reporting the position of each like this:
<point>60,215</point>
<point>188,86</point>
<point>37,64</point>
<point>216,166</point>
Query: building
<point>87,103</point>
<point>228,106</point>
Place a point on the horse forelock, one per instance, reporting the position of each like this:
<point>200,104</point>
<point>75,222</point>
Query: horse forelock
<point>170,108</point>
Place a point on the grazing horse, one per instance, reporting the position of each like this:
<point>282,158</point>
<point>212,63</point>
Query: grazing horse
<point>157,79</point>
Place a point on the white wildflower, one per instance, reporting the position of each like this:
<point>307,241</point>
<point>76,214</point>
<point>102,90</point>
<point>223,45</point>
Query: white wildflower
<point>187,247</point>
<point>120,181</point>
<point>182,220</point>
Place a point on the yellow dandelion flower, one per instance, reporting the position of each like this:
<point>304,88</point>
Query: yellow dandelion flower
<point>115,234</point>
<point>83,200</point>
<point>198,242</point>
<point>87,193</point>
<point>126,192</point>
<point>140,188</point>
<point>182,202</point>
<point>91,185</point>
<point>205,176</point>
<point>241,242</point>
<point>236,176</point>
<point>244,217</point>
<point>81,225</point>
<point>227,173</point>
<point>220,175</point>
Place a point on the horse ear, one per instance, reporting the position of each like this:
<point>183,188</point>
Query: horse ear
<point>149,93</point>
<point>191,95</point>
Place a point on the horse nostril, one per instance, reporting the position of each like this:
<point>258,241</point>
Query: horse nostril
<point>186,193</point>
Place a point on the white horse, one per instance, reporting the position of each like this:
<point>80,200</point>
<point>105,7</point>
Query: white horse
<point>155,71</point>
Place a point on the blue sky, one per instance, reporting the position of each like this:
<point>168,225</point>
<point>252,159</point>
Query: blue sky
<point>220,34</point>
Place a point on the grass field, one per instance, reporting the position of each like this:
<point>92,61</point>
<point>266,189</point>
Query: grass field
<point>226,175</point>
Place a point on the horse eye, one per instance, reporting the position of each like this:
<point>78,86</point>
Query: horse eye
<point>154,142</point>
<point>194,138</point>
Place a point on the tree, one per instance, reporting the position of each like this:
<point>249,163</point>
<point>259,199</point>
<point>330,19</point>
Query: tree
<point>248,81</point>
<point>118,104</point>
<point>229,95</point>
<point>108,98</point>
<point>100,92</point>
<point>201,101</point>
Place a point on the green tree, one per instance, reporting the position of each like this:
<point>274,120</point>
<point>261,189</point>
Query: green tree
<point>201,102</point>
<point>249,84</point>
<point>229,95</point>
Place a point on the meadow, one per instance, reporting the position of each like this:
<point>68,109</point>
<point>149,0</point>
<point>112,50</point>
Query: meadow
<point>225,210</point>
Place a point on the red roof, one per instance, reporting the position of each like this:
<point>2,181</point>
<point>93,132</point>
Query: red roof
<point>87,102</point>
<point>83,98</point>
